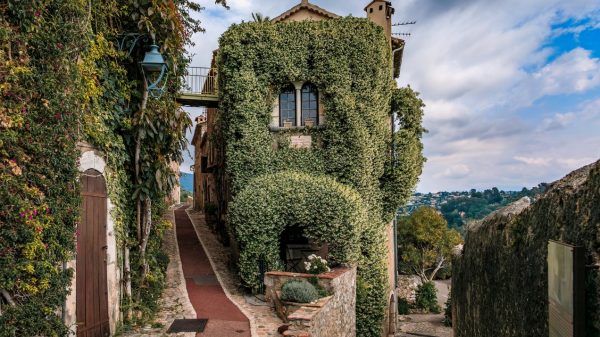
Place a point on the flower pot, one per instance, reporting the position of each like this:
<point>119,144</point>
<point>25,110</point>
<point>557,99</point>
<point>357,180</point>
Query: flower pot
<point>309,123</point>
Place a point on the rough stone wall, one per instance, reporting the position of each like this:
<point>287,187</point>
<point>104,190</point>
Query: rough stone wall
<point>337,318</point>
<point>407,287</point>
<point>499,285</point>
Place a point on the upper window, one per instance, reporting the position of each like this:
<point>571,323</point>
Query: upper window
<point>310,105</point>
<point>287,106</point>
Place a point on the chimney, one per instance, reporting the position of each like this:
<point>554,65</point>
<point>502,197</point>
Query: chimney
<point>381,12</point>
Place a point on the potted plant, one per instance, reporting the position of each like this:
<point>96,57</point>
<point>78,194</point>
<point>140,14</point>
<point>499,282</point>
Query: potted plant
<point>309,122</point>
<point>287,124</point>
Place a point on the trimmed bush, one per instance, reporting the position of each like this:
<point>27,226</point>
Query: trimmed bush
<point>426,297</point>
<point>299,291</point>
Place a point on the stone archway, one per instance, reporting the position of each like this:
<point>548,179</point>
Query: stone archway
<point>91,279</point>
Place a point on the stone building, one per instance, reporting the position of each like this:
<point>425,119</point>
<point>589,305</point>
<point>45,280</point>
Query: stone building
<point>297,106</point>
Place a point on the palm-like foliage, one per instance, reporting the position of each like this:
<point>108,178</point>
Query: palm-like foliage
<point>258,17</point>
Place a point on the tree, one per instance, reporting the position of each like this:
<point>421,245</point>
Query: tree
<point>425,243</point>
<point>258,17</point>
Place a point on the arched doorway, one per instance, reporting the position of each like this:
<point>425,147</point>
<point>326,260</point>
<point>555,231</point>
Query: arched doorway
<point>91,281</point>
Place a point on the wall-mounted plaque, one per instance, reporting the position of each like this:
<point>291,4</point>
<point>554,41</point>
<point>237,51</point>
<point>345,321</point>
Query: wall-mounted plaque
<point>566,290</point>
<point>300,142</point>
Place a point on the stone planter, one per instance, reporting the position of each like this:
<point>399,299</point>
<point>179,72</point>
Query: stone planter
<point>331,316</point>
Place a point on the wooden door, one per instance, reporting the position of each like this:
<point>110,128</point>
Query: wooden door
<point>92,291</point>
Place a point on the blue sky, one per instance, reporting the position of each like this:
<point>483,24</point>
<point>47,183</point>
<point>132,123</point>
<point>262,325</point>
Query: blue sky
<point>512,87</point>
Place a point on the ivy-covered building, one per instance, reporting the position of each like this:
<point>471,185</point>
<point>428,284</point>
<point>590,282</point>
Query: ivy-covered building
<point>307,153</point>
<point>89,147</point>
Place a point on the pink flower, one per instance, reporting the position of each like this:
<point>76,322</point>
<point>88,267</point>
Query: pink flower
<point>37,13</point>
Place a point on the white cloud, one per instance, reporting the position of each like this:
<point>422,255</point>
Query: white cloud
<point>533,161</point>
<point>575,71</point>
<point>456,171</point>
<point>558,121</point>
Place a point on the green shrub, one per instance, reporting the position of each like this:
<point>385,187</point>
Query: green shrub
<point>426,297</point>
<point>403,306</point>
<point>184,196</point>
<point>448,311</point>
<point>300,291</point>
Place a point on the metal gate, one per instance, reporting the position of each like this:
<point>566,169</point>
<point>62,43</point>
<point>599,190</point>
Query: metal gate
<point>92,291</point>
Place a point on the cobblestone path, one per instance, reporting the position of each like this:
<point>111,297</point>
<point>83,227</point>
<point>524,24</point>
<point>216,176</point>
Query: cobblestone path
<point>204,291</point>
<point>423,326</point>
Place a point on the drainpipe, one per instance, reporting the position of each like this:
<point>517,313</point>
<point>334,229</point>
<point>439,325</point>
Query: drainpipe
<point>397,50</point>
<point>64,305</point>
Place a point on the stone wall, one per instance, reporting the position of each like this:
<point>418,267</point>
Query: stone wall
<point>338,315</point>
<point>334,317</point>
<point>499,285</point>
<point>407,287</point>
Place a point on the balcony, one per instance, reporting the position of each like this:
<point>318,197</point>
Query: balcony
<point>201,88</point>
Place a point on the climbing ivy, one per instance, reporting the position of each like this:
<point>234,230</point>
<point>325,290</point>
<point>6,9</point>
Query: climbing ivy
<point>63,81</point>
<point>40,101</point>
<point>349,60</point>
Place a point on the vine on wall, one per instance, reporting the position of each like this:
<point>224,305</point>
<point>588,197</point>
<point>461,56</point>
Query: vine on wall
<point>349,60</point>
<point>62,81</point>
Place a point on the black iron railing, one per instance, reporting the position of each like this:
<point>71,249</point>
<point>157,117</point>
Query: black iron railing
<point>201,81</point>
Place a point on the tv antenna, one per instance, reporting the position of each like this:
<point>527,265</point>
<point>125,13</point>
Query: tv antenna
<point>405,23</point>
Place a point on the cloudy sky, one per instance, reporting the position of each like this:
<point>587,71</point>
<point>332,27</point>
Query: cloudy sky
<point>512,87</point>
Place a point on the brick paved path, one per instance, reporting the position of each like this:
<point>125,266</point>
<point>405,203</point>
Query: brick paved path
<point>205,292</point>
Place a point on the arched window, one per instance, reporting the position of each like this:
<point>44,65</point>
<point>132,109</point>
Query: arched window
<point>287,106</point>
<point>310,104</point>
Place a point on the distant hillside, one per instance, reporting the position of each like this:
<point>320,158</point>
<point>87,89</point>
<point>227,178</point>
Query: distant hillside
<point>187,181</point>
<point>461,207</point>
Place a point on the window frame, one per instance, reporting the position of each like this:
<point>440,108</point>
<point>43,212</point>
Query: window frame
<point>286,91</point>
<point>315,92</point>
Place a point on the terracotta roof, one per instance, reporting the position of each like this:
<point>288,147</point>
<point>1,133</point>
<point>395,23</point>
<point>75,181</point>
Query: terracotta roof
<point>308,6</point>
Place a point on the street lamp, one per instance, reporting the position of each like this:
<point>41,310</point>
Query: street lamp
<point>155,71</point>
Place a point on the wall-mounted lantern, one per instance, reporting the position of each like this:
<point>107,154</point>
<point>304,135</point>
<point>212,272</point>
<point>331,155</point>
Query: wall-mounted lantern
<point>155,71</point>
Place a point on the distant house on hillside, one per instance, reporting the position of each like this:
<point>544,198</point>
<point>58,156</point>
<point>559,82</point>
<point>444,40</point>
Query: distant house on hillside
<point>298,107</point>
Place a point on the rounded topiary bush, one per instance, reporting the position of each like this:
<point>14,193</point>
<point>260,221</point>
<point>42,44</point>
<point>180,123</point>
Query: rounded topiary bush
<point>300,291</point>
